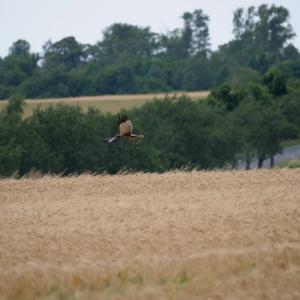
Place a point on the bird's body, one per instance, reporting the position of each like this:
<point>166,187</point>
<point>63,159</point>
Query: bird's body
<point>125,130</point>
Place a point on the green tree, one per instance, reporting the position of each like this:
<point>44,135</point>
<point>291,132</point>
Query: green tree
<point>20,47</point>
<point>66,52</point>
<point>290,52</point>
<point>60,131</point>
<point>195,34</point>
<point>192,39</point>
<point>197,74</point>
<point>275,82</point>
<point>121,41</point>
<point>261,35</point>
<point>244,23</point>
<point>242,77</point>
<point>273,29</point>
<point>47,83</point>
<point>226,97</point>
<point>11,136</point>
<point>15,107</point>
<point>116,79</point>
<point>290,107</point>
<point>18,66</point>
<point>262,128</point>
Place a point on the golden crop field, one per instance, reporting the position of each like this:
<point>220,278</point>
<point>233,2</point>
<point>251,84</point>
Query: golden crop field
<point>106,103</point>
<point>178,235</point>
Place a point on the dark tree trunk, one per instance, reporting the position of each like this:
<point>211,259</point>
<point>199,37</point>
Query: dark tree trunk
<point>260,162</point>
<point>272,161</point>
<point>248,162</point>
<point>234,164</point>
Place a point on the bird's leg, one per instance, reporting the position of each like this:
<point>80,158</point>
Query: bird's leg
<point>137,136</point>
<point>112,139</point>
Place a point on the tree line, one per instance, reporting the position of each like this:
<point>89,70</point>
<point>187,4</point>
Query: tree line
<point>133,59</point>
<point>253,107</point>
<point>234,123</point>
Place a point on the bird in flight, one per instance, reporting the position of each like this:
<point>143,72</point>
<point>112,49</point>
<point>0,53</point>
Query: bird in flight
<point>125,131</point>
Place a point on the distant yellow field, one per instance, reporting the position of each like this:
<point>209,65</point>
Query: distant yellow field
<point>179,235</point>
<point>105,103</point>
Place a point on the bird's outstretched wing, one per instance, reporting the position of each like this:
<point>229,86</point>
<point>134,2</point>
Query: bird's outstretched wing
<point>125,125</point>
<point>125,130</point>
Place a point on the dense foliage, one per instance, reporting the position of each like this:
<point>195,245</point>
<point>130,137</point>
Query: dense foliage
<point>232,125</point>
<point>132,59</point>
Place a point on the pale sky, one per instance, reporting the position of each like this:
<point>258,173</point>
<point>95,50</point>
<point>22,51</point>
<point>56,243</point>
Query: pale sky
<point>40,20</point>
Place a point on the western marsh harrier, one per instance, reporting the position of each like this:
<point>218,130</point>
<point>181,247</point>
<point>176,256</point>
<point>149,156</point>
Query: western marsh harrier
<point>125,131</point>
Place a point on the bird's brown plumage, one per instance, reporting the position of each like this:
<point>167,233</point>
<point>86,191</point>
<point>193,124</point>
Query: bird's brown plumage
<point>125,126</point>
<point>125,130</point>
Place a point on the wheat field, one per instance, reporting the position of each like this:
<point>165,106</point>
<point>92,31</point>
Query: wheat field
<point>178,235</point>
<point>105,103</point>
